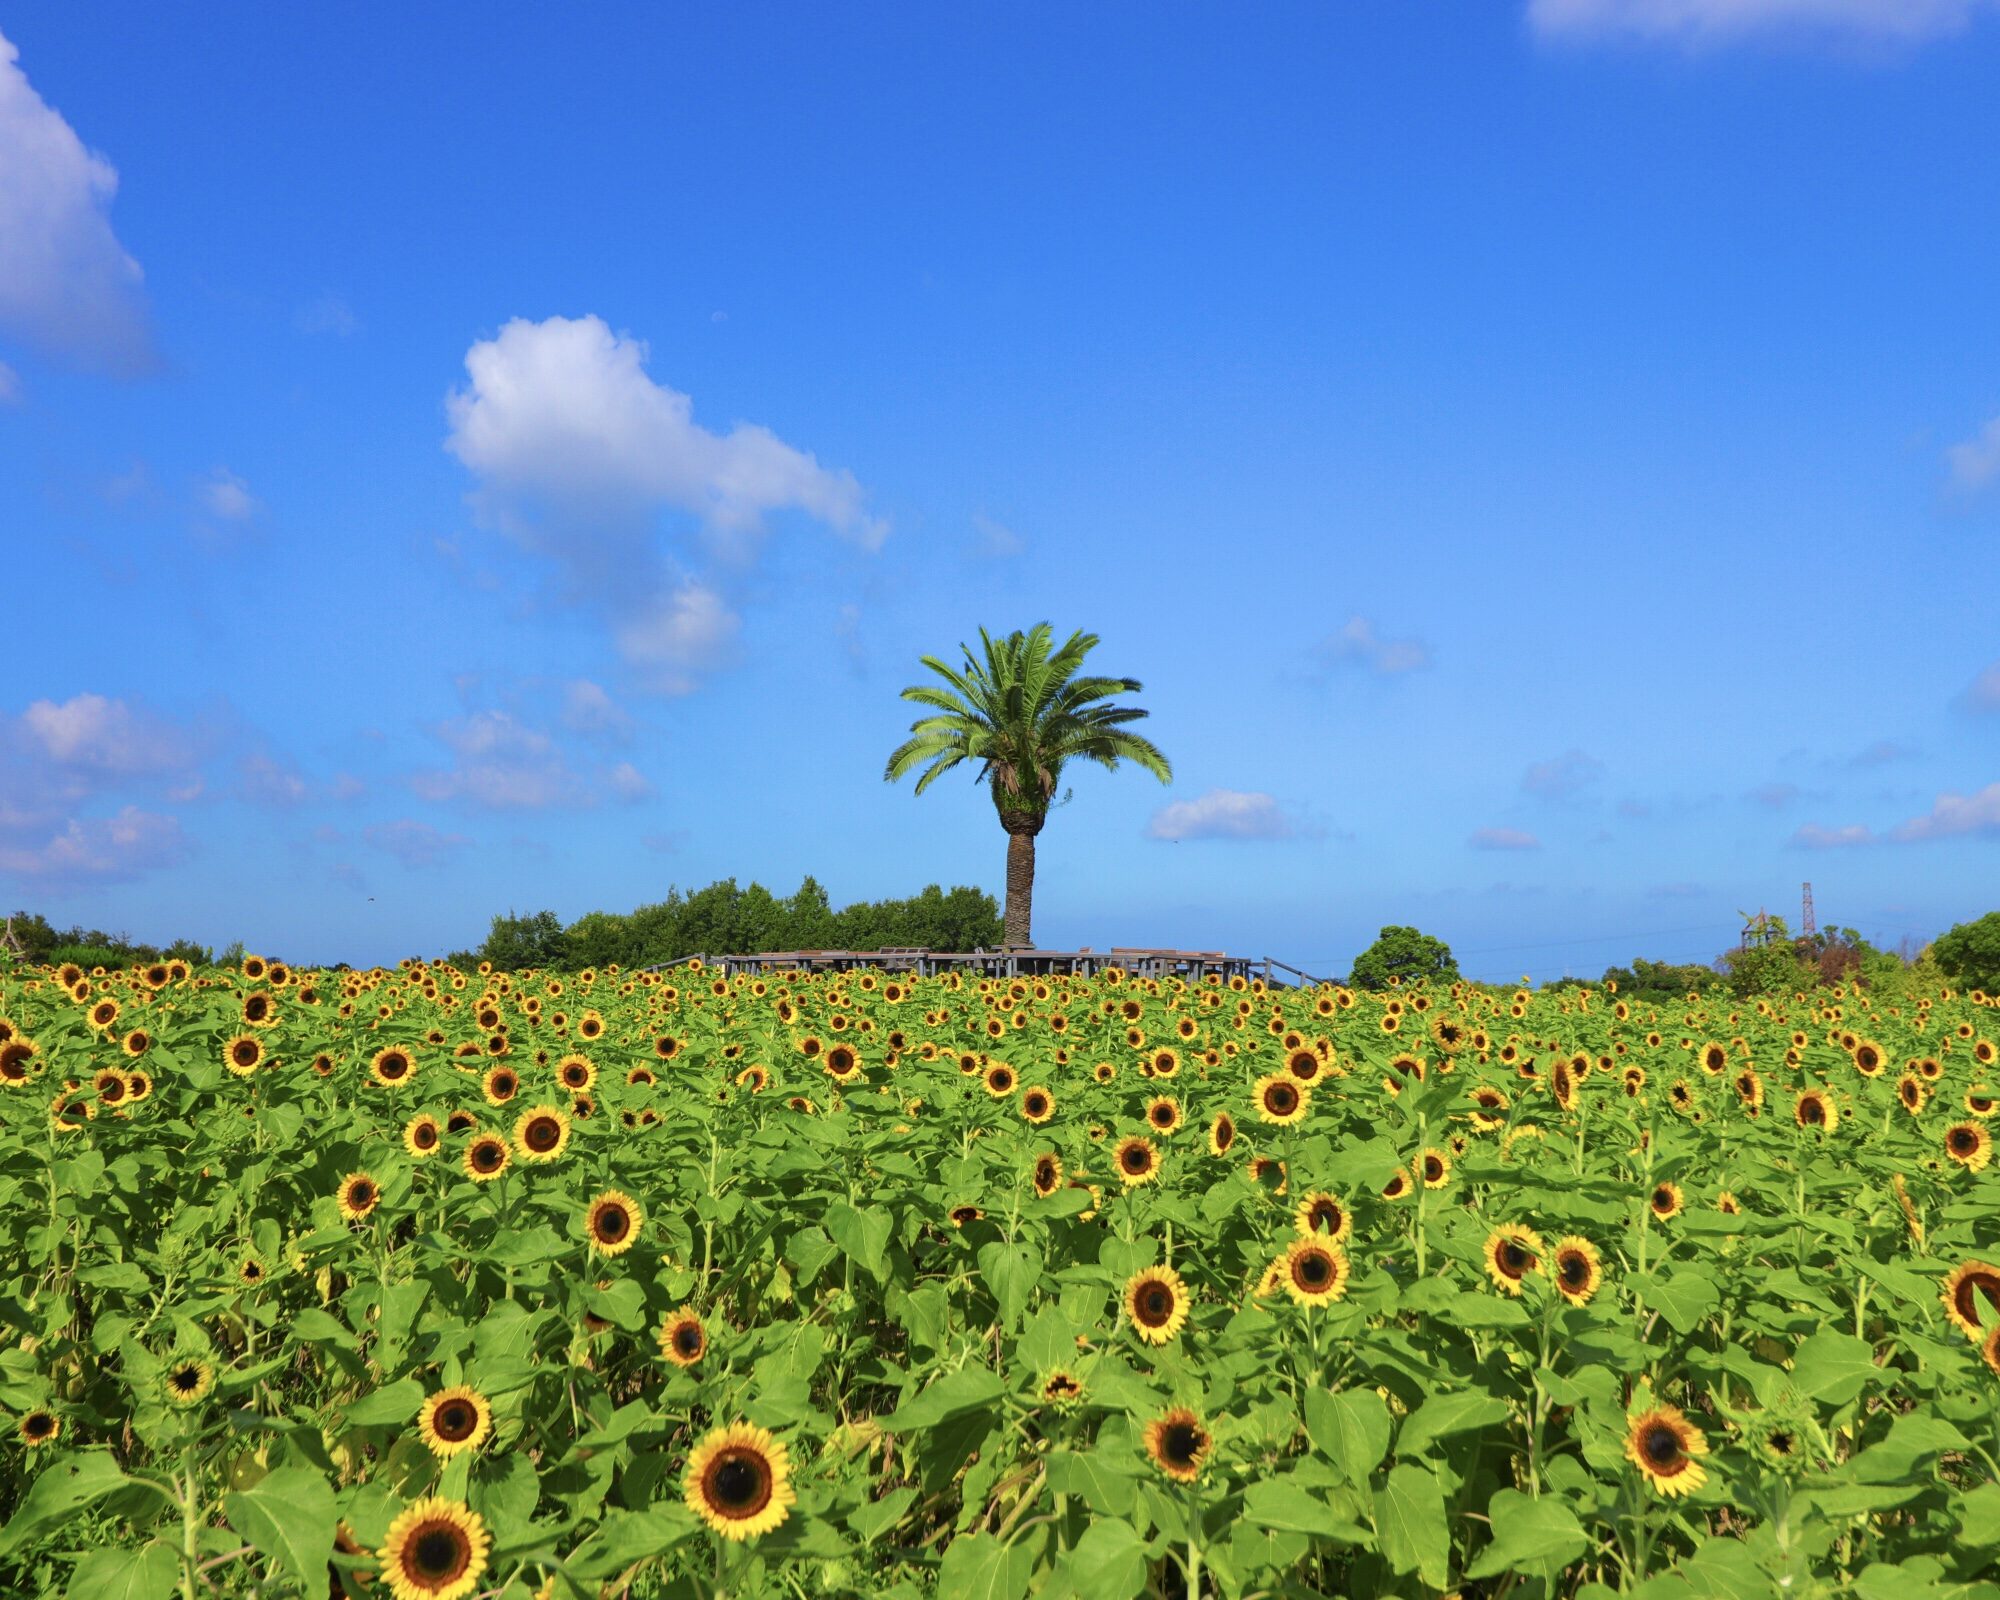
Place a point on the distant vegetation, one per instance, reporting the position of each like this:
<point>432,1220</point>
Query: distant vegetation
<point>726,919</point>
<point>35,940</point>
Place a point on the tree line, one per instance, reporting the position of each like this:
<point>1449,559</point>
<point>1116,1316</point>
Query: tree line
<point>728,918</point>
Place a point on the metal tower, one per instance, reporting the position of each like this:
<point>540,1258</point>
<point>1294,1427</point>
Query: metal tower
<point>1807,925</point>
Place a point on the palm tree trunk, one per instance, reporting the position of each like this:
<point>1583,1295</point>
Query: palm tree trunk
<point>1021,830</point>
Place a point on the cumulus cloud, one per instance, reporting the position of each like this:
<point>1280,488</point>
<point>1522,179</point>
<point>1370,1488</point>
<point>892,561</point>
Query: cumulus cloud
<point>1223,814</point>
<point>223,494</point>
<point>86,850</point>
<point>578,453</point>
<point>589,709</point>
<point>1503,839</point>
<point>501,763</point>
<point>1561,776</point>
<point>1956,815</point>
<point>414,843</point>
<point>1984,692</point>
<point>1975,463</point>
<point>1701,22</point>
<point>94,737</point>
<point>1358,644</point>
<point>67,287</point>
<point>1813,836</point>
<point>563,411</point>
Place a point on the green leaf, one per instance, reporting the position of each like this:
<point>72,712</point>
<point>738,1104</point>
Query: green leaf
<point>1978,1516</point>
<point>148,1573</point>
<point>977,1566</point>
<point>1834,1367</point>
<point>623,1304</point>
<point>1011,1271</point>
<point>1350,1428</point>
<point>314,1326</point>
<point>394,1405</point>
<point>288,1515</point>
<point>1445,1414</point>
<point>1100,1481</point>
<point>1409,1524</point>
<point>1109,1561</point>
<point>863,1235</point>
<point>1911,1438</point>
<point>1529,1535</point>
<point>1285,1505</point>
<point>1685,1299</point>
<point>809,1250</point>
<point>65,1486</point>
<point>967,1389</point>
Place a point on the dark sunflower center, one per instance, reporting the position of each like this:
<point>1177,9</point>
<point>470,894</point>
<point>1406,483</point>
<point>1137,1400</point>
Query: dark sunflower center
<point>1045,1175</point>
<point>1225,1134</point>
<point>1036,1105</point>
<point>252,1272</point>
<point>544,1133</point>
<point>245,1054</point>
<point>438,1553</point>
<point>361,1194</point>
<point>1962,1141</point>
<point>486,1157</point>
<point>425,1136</point>
<point>1867,1060</point>
<point>1662,1200</point>
<point>573,1077</point>
<point>1281,1098</point>
<point>1575,1270</point>
<point>1313,1271</point>
<point>1514,1258</point>
<point>1002,1081</point>
<point>1182,1444</point>
<point>1974,1284</point>
<point>187,1379</point>
<point>1155,1304</point>
<point>1327,1216</point>
<point>1433,1168</point>
<point>1661,1445</point>
<point>504,1084</point>
<point>739,1484</point>
<point>687,1340</point>
<point>1135,1158</point>
<point>1781,1443</point>
<point>1813,1111</point>
<point>40,1424</point>
<point>612,1223</point>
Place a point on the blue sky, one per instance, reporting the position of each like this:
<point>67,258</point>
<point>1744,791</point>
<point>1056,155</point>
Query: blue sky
<point>1544,470</point>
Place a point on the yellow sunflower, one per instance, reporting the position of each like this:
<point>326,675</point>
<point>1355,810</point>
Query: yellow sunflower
<point>1662,1444</point>
<point>1578,1270</point>
<point>613,1222</point>
<point>455,1420</point>
<point>1511,1253</point>
<point>1156,1301</point>
<point>436,1549</point>
<point>739,1481</point>
<point>1178,1444</point>
<point>1313,1271</point>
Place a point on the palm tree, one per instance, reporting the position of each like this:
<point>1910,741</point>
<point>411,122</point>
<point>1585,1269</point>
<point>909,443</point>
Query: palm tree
<point>1022,713</point>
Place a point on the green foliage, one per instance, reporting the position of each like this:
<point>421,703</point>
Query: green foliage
<point>1660,982</point>
<point>1403,954</point>
<point>1969,955</point>
<point>727,919</point>
<point>39,942</point>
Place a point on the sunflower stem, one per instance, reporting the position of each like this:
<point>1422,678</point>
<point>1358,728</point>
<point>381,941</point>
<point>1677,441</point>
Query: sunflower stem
<point>190,1526</point>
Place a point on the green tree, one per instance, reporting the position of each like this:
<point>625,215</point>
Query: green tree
<point>532,941</point>
<point>1969,954</point>
<point>1405,954</point>
<point>1023,713</point>
<point>1768,961</point>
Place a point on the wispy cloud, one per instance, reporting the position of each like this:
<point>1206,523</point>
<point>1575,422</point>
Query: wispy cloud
<point>1563,776</point>
<point>1503,839</point>
<point>1710,22</point>
<point>415,844</point>
<point>1359,644</point>
<point>66,284</point>
<point>1224,814</point>
<point>1814,836</point>
<point>329,313</point>
<point>502,763</point>
<point>1983,694</point>
<point>1774,796</point>
<point>1975,462</point>
<point>995,539</point>
<point>1955,815</point>
<point>223,494</point>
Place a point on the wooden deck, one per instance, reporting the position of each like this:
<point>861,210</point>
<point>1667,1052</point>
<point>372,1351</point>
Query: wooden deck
<point>1149,962</point>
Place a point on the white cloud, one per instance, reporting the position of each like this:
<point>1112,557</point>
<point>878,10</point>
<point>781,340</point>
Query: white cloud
<point>1503,839</point>
<point>996,539</point>
<point>1776,796</point>
<point>415,844</point>
<point>1975,464</point>
<point>1955,815</point>
<point>1722,21</point>
<point>562,412</point>
<point>1812,836</point>
<point>1561,776</point>
<point>92,736</point>
<point>629,784</point>
<point>268,781</point>
<point>676,635</point>
<point>85,850</point>
<point>225,495</point>
<point>1358,643</point>
<point>1223,814</point>
<point>589,709</point>
<point>1984,694</point>
<point>66,284</point>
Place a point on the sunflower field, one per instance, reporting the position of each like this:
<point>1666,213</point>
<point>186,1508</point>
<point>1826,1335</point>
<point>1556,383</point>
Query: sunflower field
<point>430,1284</point>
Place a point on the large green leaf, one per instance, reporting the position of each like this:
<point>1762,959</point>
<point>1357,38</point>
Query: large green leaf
<point>1011,1272</point>
<point>152,1572</point>
<point>1834,1367</point>
<point>1409,1524</point>
<point>977,1566</point>
<point>1446,1414</point>
<point>288,1515</point>
<point>1529,1535</point>
<point>1109,1561</point>
<point>1350,1428</point>
<point>64,1487</point>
